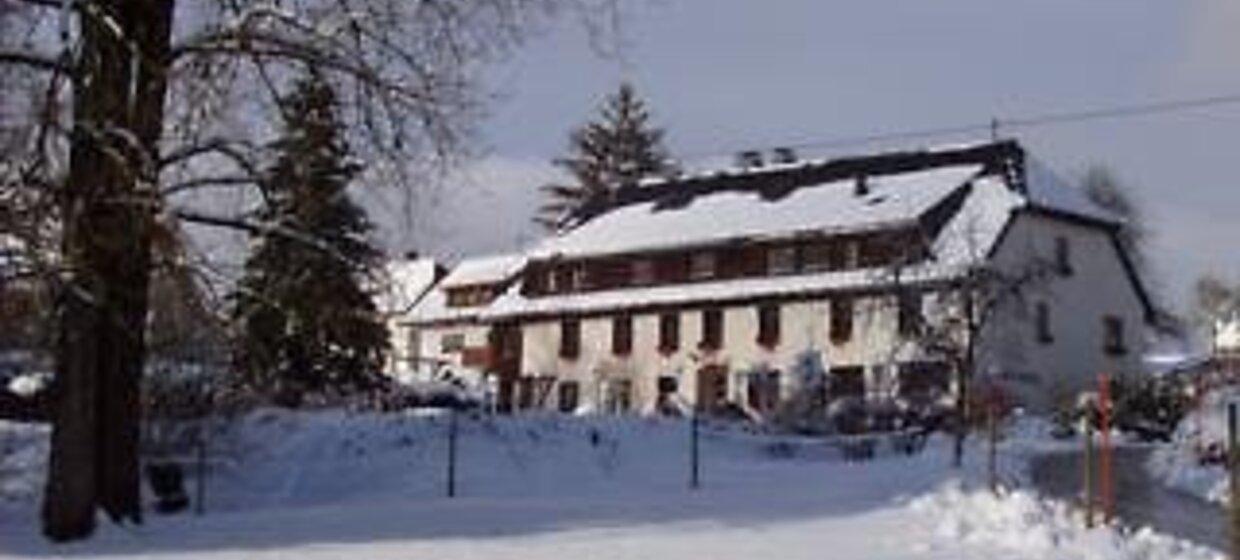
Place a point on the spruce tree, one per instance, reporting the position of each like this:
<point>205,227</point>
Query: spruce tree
<point>618,149</point>
<point>307,325</point>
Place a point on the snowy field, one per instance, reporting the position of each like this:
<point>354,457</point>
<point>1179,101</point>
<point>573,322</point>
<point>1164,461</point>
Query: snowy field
<point>332,485</point>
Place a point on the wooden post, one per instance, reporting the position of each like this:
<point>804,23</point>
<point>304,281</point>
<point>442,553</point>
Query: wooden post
<point>695,480</point>
<point>1088,472</point>
<point>452,453</point>
<point>992,432</point>
<point>1233,461</point>
<point>201,487</point>
<point>1105,480</point>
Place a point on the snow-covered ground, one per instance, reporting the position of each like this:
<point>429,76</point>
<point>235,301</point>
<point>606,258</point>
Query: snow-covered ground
<point>334,485</point>
<point>1203,429</point>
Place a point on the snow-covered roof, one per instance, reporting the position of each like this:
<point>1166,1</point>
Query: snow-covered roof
<point>484,270</point>
<point>513,303</point>
<point>494,269</point>
<point>406,281</point>
<point>892,200</point>
<point>1048,191</point>
<point>965,196</point>
<point>1227,335</point>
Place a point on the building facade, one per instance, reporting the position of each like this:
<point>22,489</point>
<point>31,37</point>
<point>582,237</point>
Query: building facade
<point>870,277</point>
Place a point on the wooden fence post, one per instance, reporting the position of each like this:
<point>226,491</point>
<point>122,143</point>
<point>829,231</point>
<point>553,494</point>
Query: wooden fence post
<point>452,429</point>
<point>694,459</point>
<point>992,432</point>
<point>1233,461</point>
<point>1105,479</point>
<point>1088,472</point>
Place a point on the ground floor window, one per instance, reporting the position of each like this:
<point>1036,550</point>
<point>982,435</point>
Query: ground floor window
<point>847,381</point>
<point>618,396</point>
<point>920,379</point>
<point>762,392</point>
<point>570,395</point>
<point>712,388</point>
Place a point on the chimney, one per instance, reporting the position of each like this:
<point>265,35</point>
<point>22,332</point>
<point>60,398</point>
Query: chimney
<point>783,155</point>
<point>862,186</point>
<point>749,159</point>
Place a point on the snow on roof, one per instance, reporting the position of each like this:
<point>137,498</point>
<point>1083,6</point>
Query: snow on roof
<point>1227,335</point>
<point>406,282</point>
<point>1048,191</point>
<point>484,270</point>
<point>470,272</point>
<point>513,303</point>
<point>969,236</point>
<point>715,217</point>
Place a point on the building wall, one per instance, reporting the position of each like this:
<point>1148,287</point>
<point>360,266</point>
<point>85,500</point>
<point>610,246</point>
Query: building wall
<point>1049,374</point>
<point>429,359</point>
<point>803,327</point>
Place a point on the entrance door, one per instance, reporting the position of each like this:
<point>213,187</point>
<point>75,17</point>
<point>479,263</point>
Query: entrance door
<point>712,388</point>
<point>505,343</point>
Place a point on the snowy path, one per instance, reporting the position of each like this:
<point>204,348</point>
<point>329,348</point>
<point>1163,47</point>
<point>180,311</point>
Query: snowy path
<point>1140,500</point>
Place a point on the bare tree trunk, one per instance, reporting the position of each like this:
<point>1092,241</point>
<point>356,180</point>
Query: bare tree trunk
<point>107,208</point>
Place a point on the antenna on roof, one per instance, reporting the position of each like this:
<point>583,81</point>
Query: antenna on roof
<point>862,186</point>
<point>749,159</point>
<point>784,155</point>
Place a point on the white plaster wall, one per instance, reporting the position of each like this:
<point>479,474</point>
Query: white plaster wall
<point>803,326</point>
<point>1048,374</point>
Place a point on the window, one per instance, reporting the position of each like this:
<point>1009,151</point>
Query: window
<point>841,319</point>
<point>702,266</point>
<point>909,319</point>
<point>712,329</point>
<point>570,392</point>
<point>643,272</point>
<point>762,391</point>
<point>669,332</point>
<point>451,342</point>
<point>1113,335</point>
<point>847,381</point>
<point>850,253</point>
<point>562,279</point>
<point>781,260</point>
<point>1042,318</point>
<point>1063,256</point>
<point>570,338</point>
<point>618,396</point>
<point>816,256</point>
<point>923,379</point>
<point>622,335</point>
<point>768,325</point>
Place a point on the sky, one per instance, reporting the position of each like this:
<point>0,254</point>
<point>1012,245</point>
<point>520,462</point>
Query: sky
<point>726,75</point>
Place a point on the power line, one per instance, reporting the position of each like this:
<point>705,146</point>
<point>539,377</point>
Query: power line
<point>994,125</point>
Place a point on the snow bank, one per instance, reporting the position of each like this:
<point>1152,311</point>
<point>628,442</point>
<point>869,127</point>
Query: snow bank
<point>1022,525</point>
<point>23,460</point>
<point>1202,432</point>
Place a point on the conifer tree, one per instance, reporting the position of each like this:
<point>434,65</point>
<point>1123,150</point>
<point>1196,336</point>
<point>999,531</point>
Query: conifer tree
<point>618,149</point>
<point>307,325</point>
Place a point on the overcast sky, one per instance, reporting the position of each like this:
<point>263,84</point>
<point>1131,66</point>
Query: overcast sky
<point>723,75</point>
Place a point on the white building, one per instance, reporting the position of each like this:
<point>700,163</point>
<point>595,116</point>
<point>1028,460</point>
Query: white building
<point>718,289</point>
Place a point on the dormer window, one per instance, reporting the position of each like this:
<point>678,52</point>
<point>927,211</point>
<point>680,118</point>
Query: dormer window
<point>703,265</point>
<point>781,260</point>
<point>643,272</point>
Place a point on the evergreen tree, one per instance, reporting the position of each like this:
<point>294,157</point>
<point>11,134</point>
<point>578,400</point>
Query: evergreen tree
<point>617,150</point>
<point>307,325</point>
